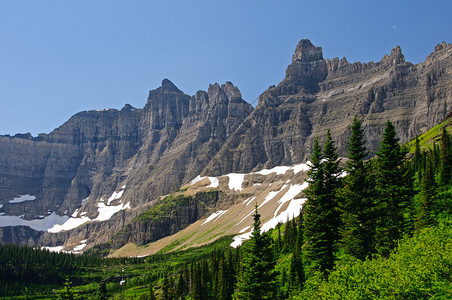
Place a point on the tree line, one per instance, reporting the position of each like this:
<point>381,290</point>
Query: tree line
<point>363,218</point>
<point>356,210</point>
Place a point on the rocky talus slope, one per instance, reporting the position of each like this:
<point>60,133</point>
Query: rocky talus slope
<point>89,180</point>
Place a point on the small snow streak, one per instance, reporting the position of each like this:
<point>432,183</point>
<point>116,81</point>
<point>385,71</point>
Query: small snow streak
<point>213,217</point>
<point>23,198</point>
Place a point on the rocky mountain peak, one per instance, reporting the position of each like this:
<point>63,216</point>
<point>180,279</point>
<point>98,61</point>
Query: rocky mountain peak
<point>441,46</point>
<point>167,87</point>
<point>218,92</point>
<point>396,57</point>
<point>307,52</point>
<point>307,69</point>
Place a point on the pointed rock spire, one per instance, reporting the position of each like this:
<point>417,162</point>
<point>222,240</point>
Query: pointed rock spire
<point>169,87</point>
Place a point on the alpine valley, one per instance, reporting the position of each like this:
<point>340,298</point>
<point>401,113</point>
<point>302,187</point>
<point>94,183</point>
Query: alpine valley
<point>185,170</point>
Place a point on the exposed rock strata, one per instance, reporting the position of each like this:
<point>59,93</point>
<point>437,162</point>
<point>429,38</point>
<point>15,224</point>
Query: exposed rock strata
<point>152,151</point>
<point>318,94</point>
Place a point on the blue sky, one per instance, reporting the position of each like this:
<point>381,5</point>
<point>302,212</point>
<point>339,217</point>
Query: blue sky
<point>59,57</point>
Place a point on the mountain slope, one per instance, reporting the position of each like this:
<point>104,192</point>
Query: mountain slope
<point>318,94</point>
<point>88,179</point>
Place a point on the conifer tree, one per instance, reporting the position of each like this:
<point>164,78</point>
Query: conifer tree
<point>446,158</point>
<point>393,194</point>
<point>321,219</point>
<point>427,196</point>
<point>181,287</point>
<point>356,198</point>
<point>257,278</point>
<point>296,276</point>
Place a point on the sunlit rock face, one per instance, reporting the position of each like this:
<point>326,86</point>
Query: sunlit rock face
<point>318,94</point>
<point>87,180</point>
<point>81,164</point>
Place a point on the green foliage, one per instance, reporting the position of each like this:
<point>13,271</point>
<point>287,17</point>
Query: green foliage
<point>419,268</point>
<point>393,190</point>
<point>321,217</point>
<point>256,279</point>
<point>300,259</point>
<point>356,198</point>
<point>163,208</point>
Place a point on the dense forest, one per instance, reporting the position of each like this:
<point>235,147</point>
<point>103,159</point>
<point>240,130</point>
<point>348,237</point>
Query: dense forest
<point>378,228</point>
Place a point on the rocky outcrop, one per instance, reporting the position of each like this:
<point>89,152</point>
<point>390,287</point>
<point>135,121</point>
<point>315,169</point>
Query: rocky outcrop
<point>151,151</point>
<point>19,235</point>
<point>318,94</point>
<point>128,158</point>
<point>169,216</point>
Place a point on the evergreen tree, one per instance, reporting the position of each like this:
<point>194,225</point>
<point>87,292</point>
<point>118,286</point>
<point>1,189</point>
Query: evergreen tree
<point>427,196</point>
<point>393,193</point>
<point>446,158</point>
<point>166,288</point>
<point>67,293</point>
<point>356,198</point>
<point>283,291</point>
<point>181,287</point>
<point>321,218</point>
<point>296,276</point>
<point>257,279</point>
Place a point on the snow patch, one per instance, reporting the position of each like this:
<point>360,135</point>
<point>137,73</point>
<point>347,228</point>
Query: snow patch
<point>115,196</point>
<point>106,212</point>
<point>235,181</point>
<point>214,183</point>
<point>238,239</point>
<point>56,249</point>
<point>83,201</point>
<point>278,170</point>
<point>270,196</point>
<point>23,198</point>
<point>69,224</point>
<point>301,167</point>
<point>244,229</point>
<point>248,201</point>
<point>293,191</point>
<point>245,217</point>
<point>79,247</point>
<point>291,212</point>
<point>42,224</point>
<point>74,214</point>
<point>197,179</point>
<point>213,217</point>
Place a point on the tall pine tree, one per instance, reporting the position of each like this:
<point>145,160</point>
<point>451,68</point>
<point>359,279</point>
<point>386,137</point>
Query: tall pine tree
<point>257,278</point>
<point>356,198</point>
<point>446,158</point>
<point>321,218</point>
<point>393,193</point>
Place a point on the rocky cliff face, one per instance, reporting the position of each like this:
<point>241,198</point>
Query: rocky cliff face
<point>103,168</point>
<point>139,153</point>
<point>318,94</point>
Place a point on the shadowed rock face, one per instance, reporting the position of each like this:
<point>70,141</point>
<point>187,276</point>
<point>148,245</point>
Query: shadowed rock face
<point>152,151</point>
<point>318,94</point>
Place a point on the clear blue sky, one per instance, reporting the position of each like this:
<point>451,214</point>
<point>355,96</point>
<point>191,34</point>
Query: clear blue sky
<point>59,57</point>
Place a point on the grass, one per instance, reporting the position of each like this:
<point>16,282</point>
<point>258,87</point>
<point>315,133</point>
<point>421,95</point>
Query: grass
<point>428,139</point>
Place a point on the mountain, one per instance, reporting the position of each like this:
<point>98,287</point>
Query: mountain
<point>90,181</point>
<point>318,94</point>
<point>135,154</point>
